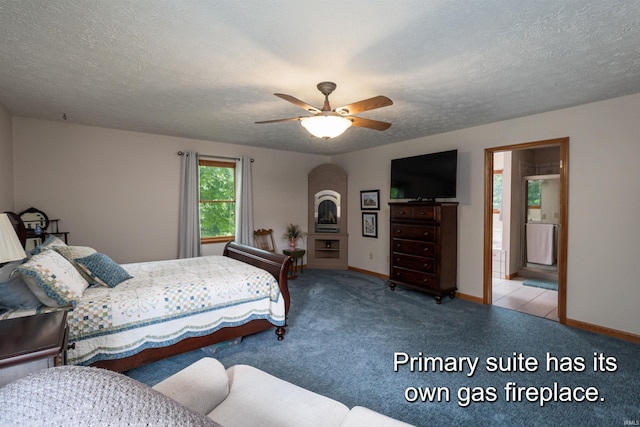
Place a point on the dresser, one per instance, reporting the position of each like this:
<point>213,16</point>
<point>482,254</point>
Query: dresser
<point>423,251</point>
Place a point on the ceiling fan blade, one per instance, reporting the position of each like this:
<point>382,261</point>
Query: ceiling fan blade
<point>365,105</point>
<point>297,102</point>
<point>292,119</point>
<point>368,123</point>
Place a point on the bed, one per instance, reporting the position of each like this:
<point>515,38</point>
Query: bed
<point>163,308</point>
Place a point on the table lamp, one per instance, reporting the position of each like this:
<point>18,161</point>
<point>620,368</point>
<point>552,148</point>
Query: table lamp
<point>10,246</point>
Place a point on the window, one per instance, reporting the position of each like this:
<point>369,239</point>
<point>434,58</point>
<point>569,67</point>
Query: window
<point>534,194</point>
<point>217,201</point>
<point>497,191</point>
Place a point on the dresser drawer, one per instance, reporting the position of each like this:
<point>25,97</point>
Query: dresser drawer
<point>423,212</point>
<point>401,212</point>
<point>427,234</point>
<point>426,213</point>
<point>414,247</point>
<point>415,278</point>
<point>414,262</point>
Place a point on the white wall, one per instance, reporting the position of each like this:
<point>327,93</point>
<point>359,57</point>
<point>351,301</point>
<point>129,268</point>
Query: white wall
<point>6,161</point>
<point>118,191</point>
<point>604,202</point>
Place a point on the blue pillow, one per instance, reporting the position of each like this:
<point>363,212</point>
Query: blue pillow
<point>103,269</point>
<point>14,292</point>
<point>51,242</point>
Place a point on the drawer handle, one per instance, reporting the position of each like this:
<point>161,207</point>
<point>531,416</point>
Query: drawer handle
<point>426,233</point>
<point>425,265</point>
<point>422,213</point>
<point>426,281</point>
<point>426,249</point>
<point>397,245</point>
<point>398,231</point>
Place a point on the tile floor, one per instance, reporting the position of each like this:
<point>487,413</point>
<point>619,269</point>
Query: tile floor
<point>512,294</point>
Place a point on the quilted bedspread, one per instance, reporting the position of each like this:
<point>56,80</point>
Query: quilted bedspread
<point>167,301</point>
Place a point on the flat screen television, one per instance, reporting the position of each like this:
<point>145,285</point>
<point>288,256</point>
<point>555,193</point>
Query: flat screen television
<point>425,177</point>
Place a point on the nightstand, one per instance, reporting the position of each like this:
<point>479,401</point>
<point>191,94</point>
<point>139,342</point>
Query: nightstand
<point>32,343</point>
<point>296,254</point>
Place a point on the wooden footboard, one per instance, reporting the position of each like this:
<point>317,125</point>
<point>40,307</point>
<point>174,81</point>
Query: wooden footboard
<point>276,264</point>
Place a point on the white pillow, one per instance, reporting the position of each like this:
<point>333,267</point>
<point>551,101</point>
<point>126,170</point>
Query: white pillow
<point>53,280</point>
<point>71,252</point>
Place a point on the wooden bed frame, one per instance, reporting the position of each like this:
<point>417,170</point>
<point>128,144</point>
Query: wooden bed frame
<point>276,264</point>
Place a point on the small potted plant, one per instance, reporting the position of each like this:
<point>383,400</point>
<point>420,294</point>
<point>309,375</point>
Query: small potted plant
<point>292,234</point>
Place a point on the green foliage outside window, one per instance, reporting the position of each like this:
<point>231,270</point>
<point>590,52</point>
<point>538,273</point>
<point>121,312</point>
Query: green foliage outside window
<point>534,192</point>
<point>217,201</point>
<point>497,191</point>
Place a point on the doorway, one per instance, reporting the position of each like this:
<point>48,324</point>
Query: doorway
<point>517,264</point>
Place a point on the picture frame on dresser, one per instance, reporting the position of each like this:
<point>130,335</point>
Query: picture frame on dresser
<point>370,224</point>
<point>370,200</point>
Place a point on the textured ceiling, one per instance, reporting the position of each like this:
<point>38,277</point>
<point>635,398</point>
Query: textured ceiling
<point>208,69</point>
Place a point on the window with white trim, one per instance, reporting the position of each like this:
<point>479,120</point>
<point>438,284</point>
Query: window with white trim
<point>217,201</point>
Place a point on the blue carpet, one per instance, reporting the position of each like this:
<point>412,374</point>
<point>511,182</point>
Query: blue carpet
<point>344,328</point>
<point>544,284</point>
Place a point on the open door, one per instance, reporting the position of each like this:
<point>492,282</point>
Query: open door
<point>563,144</point>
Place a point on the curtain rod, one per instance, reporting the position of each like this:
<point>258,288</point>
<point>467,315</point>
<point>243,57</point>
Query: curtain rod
<point>181,153</point>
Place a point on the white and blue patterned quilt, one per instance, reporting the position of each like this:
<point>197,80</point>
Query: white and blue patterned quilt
<point>167,301</point>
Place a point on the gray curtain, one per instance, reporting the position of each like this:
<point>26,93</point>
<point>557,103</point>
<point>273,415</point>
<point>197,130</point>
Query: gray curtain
<point>189,213</point>
<point>244,199</point>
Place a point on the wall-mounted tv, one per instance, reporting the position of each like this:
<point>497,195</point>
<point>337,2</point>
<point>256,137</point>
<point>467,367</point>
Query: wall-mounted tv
<point>425,177</point>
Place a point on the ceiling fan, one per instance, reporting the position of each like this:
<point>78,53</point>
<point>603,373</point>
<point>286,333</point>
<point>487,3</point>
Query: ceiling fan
<point>326,123</point>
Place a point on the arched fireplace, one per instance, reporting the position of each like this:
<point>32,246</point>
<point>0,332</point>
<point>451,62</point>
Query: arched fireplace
<point>327,244</point>
<point>326,211</point>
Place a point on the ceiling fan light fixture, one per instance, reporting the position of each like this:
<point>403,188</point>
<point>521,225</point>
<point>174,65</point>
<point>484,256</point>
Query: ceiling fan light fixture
<point>326,126</point>
<point>326,123</point>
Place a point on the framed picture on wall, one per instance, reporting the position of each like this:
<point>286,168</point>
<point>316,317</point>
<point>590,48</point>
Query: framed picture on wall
<point>370,224</point>
<point>370,200</point>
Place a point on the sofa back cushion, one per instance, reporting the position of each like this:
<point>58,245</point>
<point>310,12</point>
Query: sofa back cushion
<point>257,398</point>
<point>201,386</point>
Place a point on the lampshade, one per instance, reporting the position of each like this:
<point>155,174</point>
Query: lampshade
<point>326,126</point>
<point>10,246</point>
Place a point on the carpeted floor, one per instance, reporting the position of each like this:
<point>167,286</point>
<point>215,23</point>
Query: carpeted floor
<point>544,284</point>
<point>344,328</point>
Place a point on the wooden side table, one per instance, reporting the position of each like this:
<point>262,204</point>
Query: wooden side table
<point>296,254</point>
<point>31,343</point>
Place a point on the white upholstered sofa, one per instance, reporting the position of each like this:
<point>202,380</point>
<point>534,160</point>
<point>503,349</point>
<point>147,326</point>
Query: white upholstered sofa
<point>245,396</point>
<point>202,394</point>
